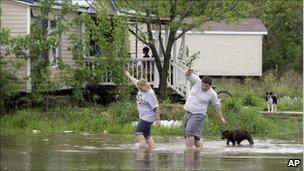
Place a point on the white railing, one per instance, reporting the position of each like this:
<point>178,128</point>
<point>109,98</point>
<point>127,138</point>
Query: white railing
<point>177,79</point>
<point>146,68</point>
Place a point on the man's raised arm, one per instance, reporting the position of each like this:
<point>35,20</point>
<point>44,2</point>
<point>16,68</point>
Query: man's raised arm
<point>188,72</point>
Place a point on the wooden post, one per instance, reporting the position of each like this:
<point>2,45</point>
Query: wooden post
<point>82,34</point>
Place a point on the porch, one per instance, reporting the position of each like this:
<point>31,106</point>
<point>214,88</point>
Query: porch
<point>146,68</point>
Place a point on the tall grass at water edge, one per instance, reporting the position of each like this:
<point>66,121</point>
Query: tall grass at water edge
<point>242,111</point>
<point>118,118</point>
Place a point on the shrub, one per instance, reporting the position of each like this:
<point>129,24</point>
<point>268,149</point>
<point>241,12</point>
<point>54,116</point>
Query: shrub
<point>233,105</point>
<point>123,112</point>
<point>249,99</point>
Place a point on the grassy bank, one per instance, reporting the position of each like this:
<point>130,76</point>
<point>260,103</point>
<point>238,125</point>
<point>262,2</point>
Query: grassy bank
<point>242,111</point>
<point>117,119</point>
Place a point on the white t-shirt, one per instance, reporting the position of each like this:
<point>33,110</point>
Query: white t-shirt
<point>198,100</point>
<point>146,103</point>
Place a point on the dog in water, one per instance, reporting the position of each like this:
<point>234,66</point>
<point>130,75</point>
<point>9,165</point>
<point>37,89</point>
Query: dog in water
<point>237,136</point>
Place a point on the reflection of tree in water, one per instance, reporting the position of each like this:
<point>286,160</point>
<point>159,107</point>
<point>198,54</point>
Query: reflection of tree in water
<point>192,160</point>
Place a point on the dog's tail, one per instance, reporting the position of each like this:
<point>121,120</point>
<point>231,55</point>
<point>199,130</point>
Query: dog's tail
<point>253,132</point>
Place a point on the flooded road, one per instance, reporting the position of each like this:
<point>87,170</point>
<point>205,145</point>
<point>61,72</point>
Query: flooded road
<point>84,151</point>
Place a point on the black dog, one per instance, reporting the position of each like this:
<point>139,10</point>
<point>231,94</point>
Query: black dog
<point>237,135</point>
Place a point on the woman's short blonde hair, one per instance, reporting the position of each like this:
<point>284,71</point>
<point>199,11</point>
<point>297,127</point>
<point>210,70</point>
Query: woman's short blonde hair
<point>143,82</point>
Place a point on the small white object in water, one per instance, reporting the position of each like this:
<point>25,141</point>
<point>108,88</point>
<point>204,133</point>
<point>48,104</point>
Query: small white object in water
<point>105,131</point>
<point>45,139</point>
<point>68,132</point>
<point>35,131</point>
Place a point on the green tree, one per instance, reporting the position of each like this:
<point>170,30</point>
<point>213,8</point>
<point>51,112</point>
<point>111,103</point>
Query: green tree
<point>282,47</point>
<point>9,82</point>
<point>110,37</point>
<point>175,15</point>
<point>36,45</point>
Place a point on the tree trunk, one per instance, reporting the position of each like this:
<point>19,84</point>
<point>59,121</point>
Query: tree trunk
<point>163,84</point>
<point>163,71</point>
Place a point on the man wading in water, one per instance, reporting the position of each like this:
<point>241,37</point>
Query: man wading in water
<point>201,94</point>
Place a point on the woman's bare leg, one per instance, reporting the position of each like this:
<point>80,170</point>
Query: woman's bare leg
<point>150,142</point>
<point>141,141</point>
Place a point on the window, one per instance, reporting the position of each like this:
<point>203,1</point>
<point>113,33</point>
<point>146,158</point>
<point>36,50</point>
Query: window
<point>53,56</point>
<point>94,49</point>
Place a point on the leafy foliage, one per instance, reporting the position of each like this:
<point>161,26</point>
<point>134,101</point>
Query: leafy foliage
<point>174,15</point>
<point>9,81</point>
<point>282,47</point>
<point>110,36</point>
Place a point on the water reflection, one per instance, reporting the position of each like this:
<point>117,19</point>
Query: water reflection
<point>96,152</point>
<point>143,159</point>
<point>192,159</point>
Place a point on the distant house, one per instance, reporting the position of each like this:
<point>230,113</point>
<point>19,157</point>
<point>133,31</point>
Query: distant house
<point>228,49</point>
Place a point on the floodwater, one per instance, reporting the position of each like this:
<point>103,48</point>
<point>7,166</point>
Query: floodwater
<point>84,151</point>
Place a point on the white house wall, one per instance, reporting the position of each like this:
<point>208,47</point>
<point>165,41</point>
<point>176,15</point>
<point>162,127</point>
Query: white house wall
<point>226,55</point>
<point>16,18</point>
<point>66,43</point>
<point>137,53</point>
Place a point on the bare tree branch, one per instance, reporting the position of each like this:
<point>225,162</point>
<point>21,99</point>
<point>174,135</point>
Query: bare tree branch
<point>173,4</point>
<point>209,19</point>
<point>160,39</point>
<point>159,33</point>
<point>140,38</point>
<point>187,11</point>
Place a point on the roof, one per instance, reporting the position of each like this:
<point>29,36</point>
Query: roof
<point>84,5</point>
<point>81,3</point>
<point>244,25</point>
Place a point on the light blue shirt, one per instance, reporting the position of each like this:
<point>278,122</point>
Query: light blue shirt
<point>146,103</point>
<point>198,100</point>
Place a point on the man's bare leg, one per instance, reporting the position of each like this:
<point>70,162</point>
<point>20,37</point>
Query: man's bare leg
<point>198,144</point>
<point>141,141</point>
<point>189,142</point>
<point>150,142</point>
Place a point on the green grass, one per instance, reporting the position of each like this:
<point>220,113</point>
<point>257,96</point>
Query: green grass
<point>242,111</point>
<point>116,119</point>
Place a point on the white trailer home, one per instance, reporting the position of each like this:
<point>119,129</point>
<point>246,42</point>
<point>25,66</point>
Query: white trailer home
<point>227,49</point>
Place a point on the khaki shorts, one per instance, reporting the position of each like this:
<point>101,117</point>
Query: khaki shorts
<point>193,124</point>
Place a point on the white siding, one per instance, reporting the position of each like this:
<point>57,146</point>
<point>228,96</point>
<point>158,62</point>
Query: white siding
<point>139,44</point>
<point>66,55</point>
<point>226,55</point>
<point>15,17</point>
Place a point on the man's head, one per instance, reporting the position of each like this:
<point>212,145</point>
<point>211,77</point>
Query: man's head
<point>143,85</point>
<point>146,50</point>
<point>206,83</point>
